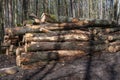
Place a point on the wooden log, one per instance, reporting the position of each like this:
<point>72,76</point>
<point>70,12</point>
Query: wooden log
<point>71,26</point>
<point>111,30</point>
<point>114,37</point>
<point>22,30</point>
<point>19,30</point>
<point>109,37</point>
<point>50,26</point>
<point>84,23</point>
<point>39,28</point>
<point>30,57</point>
<point>41,46</point>
<point>67,37</point>
<point>114,46</point>
<point>105,30</point>
<point>57,33</point>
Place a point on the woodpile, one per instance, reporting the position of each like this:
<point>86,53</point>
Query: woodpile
<point>57,41</point>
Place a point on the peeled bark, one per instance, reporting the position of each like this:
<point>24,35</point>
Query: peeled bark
<point>22,30</point>
<point>19,30</point>
<point>57,33</point>
<point>67,37</point>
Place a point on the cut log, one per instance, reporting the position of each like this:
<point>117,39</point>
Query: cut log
<point>105,30</point>
<point>109,37</point>
<point>111,30</point>
<point>114,37</point>
<point>67,37</point>
<point>70,26</point>
<point>85,46</point>
<point>41,46</point>
<point>114,48</point>
<point>46,27</point>
<point>23,30</point>
<point>31,57</point>
<point>57,33</point>
<point>26,58</point>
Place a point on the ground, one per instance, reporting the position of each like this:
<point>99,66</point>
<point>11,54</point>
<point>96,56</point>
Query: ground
<point>103,66</point>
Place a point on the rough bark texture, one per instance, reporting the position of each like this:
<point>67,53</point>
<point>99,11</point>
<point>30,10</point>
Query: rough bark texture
<point>67,37</point>
<point>85,46</point>
<point>57,33</point>
<point>49,26</point>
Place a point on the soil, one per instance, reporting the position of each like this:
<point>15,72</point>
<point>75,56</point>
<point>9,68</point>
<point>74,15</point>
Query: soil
<point>104,66</point>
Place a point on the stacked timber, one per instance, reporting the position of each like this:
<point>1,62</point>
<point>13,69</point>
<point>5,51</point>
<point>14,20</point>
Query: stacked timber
<point>66,41</point>
<point>9,44</point>
<point>62,41</point>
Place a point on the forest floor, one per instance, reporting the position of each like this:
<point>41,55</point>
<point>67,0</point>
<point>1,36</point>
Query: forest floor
<point>102,66</point>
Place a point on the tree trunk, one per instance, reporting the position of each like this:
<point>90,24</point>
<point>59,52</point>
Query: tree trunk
<point>44,28</point>
<point>67,37</point>
<point>41,46</point>
<point>64,36</point>
<point>57,33</point>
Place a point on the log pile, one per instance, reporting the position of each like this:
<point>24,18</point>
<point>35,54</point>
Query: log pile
<point>56,41</point>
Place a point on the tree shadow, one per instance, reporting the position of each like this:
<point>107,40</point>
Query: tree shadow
<point>36,75</point>
<point>89,61</point>
<point>111,72</point>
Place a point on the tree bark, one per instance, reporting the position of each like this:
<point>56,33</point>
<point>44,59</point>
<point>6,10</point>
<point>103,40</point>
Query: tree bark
<point>19,30</point>
<point>67,37</point>
<point>41,46</point>
<point>57,33</point>
<point>85,46</point>
<point>50,26</point>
